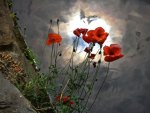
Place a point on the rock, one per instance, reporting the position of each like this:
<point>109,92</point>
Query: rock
<point>11,100</point>
<point>12,61</point>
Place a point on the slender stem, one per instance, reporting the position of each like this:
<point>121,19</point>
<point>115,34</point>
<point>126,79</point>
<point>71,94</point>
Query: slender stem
<point>64,88</point>
<point>57,44</point>
<point>90,92</point>
<point>82,83</point>
<point>70,61</point>
<point>95,76</point>
<point>100,87</point>
<point>50,25</point>
<point>65,70</point>
<point>52,54</point>
<point>77,44</point>
<point>58,25</point>
<point>85,80</point>
<point>93,86</point>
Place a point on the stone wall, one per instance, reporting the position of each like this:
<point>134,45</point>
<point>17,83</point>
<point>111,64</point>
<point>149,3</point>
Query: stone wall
<point>12,63</point>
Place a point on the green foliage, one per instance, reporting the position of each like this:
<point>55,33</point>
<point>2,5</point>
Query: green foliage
<point>30,55</point>
<point>36,90</point>
<point>13,15</point>
<point>10,3</point>
<point>62,89</point>
<point>73,82</point>
<point>32,58</point>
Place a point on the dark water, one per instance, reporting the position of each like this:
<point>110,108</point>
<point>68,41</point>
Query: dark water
<point>127,89</point>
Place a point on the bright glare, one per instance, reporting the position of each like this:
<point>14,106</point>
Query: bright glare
<point>76,22</point>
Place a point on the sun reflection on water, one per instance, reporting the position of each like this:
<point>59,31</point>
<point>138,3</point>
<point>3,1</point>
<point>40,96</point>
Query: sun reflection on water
<point>76,22</point>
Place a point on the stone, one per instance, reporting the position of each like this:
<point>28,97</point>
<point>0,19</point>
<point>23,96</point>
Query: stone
<point>12,61</point>
<point>11,100</point>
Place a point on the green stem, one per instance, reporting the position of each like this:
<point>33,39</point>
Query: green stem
<point>64,88</point>
<point>100,87</point>
<point>51,63</point>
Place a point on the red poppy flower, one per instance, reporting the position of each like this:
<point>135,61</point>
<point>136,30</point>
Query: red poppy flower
<point>100,35</point>
<point>77,32</point>
<point>96,36</point>
<point>83,31</point>
<point>71,103</point>
<point>66,99</point>
<point>87,50</point>
<point>86,39</point>
<point>89,37</point>
<point>53,38</point>
<point>58,98</point>
<point>92,56</point>
<point>112,52</point>
<point>80,31</point>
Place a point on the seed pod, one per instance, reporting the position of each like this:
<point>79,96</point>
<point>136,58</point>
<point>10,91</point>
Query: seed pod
<point>94,64</point>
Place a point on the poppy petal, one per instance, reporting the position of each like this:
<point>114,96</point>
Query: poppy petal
<point>58,98</point>
<point>99,30</point>
<point>53,38</point>
<point>112,58</point>
<point>66,98</point>
<point>102,38</point>
<point>106,50</point>
<point>77,32</point>
<point>71,103</point>
<point>94,64</point>
<point>115,48</point>
<point>112,52</point>
<point>87,39</point>
<point>83,31</point>
<point>90,33</point>
<point>92,56</point>
<point>87,50</point>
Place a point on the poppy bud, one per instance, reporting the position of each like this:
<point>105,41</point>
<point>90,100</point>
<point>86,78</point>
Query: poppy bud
<point>57,21</point>
<point>94,64</point>
<point>87,50</point>
<point>99,61</point>
<point>66,99</point>
<point>100,52</point>
<point>60,54</point>
<point>92,56</point>
<point>50,20</point>
<point>76,70</point>
<point>138,33</point>
<point>71,103</point>
<point>93,44</point>
<point>25,29</point>
<point>74,50</point>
